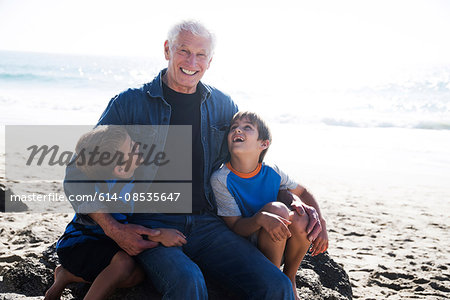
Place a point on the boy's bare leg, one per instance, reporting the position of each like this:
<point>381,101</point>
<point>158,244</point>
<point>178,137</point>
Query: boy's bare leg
<point>273,250</point>
<point>62,279</point>
<point>123,271</point>
<point>296,246</point>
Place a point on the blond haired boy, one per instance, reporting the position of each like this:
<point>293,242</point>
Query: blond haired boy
<point>85,252</point>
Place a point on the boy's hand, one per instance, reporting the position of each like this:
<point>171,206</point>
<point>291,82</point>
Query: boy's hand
<point>320,244</point>
<point>276,226</point>
<point>171,237</point>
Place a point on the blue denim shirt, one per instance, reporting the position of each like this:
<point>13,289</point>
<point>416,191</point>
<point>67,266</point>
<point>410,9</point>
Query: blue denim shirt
<point>146,106</point>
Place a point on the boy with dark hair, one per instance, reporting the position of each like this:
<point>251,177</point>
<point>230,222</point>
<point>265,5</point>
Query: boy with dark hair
<point>86,254</point>
<point>246,190</point>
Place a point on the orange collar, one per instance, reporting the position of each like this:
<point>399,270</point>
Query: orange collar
<point>244,175</point>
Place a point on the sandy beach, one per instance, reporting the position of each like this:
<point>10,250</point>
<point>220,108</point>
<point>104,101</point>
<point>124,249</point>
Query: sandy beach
<point>387,208</point>
<point>356,93</point>
<point>388,226</point>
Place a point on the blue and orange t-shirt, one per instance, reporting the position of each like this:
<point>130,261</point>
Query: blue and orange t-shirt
<point>244,194</point>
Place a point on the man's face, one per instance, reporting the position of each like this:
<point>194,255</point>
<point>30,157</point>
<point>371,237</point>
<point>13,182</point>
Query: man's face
<point>189,59</point>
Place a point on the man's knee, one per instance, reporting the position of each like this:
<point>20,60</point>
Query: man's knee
<point>190,275</point>
<point>173,273</point>
<point>277,208</point>
<point>277,286</point>
<point>190,280</point>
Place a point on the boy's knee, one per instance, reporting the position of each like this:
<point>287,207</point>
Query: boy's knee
<point>277,208</point>
<point>124,263</point>
<point>299,223</point>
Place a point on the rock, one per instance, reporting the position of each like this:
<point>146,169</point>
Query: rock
<point>13,296</point>
<point>27,277</point>
<point>49,257</point>
<point>7,204</point>
<point>318,278</point>
<point>10,258</point>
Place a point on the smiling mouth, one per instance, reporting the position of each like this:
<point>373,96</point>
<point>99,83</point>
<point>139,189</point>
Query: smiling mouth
<point>188,72</point>
<point>238,139</point>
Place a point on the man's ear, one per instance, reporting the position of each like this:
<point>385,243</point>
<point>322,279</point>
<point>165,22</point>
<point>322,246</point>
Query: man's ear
<point>166,50</point>
<point>209,63</point>
<point>265,144</point>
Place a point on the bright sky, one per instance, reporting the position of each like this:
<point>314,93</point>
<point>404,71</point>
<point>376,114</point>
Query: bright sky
<point>264,38</point>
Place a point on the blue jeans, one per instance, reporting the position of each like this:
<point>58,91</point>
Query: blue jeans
<point>177,272</point>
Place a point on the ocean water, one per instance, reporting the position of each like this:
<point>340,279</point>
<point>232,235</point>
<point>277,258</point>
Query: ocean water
<point>398,127</point>
<point>43,88</point>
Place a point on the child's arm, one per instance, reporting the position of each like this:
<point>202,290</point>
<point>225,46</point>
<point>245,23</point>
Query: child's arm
<point>228,209</point>
<point>170,237</point>
<point>275,225</point>
<point>320,244</point>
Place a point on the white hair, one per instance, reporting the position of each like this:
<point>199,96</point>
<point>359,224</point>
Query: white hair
<point>194,27</point>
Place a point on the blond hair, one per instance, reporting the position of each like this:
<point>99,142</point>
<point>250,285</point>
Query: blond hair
<point>104,139</point>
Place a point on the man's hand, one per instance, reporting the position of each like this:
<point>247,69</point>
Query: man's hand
<point>130,237</point>
<point>171,237</point>
<point>276,226</point>
<point>314,226</point>
<point>320,244</point>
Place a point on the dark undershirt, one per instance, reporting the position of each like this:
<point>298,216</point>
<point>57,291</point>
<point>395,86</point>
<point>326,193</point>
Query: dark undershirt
<point>186,111</point>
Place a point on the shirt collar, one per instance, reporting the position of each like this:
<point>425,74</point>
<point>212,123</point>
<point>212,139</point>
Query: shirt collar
<point>245,175</point>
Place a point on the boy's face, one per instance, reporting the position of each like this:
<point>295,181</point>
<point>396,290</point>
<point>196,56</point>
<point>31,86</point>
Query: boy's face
<point>131,158</point>
<point>243,138</point>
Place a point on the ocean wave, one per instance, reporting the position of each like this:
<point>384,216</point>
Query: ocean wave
<point>30,77</point>
<point>89,71</point>
<point>433,125</point>
<point>345,123</point>
<point>360,121</point>
<point>421,102</point>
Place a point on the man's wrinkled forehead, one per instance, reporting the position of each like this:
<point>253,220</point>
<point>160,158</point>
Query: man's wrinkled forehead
<point>187,39</point>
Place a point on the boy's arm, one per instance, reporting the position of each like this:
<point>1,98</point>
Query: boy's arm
<point>242,226</point>
<point>170,237</point>
<point>276,226</point>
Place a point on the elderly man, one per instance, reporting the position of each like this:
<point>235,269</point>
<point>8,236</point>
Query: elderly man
<point>177,97</point>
